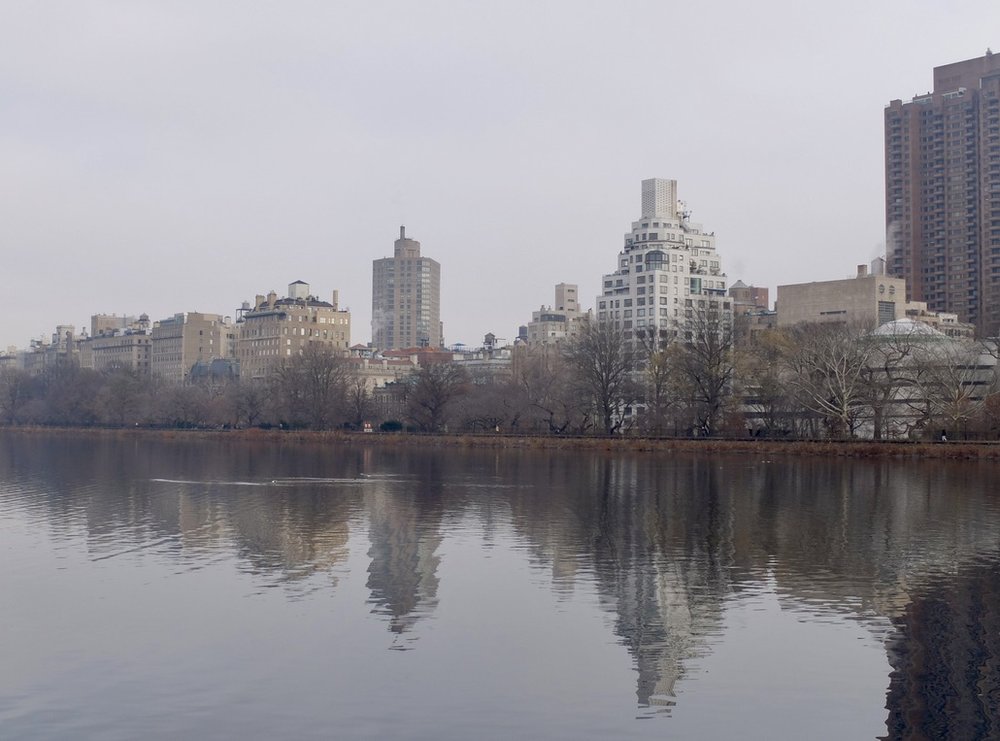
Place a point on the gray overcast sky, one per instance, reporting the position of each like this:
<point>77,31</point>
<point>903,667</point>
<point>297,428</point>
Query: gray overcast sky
<point>176,156</point>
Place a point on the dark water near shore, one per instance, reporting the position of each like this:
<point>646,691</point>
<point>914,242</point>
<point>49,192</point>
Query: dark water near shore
<point>213,589</point>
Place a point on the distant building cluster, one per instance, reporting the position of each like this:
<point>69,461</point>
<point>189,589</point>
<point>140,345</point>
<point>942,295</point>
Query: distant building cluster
<point>406,327</point>
<point>941,269</point>
<point>551,326</point>
<point>170,348</point>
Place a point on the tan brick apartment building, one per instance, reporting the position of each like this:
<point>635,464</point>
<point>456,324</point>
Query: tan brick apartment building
<point>178,343</point>
<point>276,329</point>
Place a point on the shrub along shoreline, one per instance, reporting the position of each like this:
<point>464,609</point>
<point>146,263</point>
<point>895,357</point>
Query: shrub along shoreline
<point>985,451</point>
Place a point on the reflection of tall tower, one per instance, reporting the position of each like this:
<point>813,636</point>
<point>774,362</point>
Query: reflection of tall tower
<point>405,536</point>
<point>665,609</point>
<point>946,664</point>
<point>643,630</point>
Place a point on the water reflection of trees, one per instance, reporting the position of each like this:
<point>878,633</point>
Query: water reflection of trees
<point>666,542</point>
<point>286,533</point>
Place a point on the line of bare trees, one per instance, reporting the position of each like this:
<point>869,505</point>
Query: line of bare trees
<point>828,380</point>
<point>810,381</point>
<point>314,390</point>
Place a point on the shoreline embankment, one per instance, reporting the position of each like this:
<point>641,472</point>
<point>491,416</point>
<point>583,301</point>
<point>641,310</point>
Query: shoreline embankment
<point>984,451</point>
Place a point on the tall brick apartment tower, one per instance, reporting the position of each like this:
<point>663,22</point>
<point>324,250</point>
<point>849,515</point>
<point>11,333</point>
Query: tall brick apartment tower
<point>942,192</point>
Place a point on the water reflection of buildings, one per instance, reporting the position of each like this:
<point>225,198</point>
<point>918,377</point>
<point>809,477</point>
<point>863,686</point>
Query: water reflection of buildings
<point>945,658</point>
<point>404,531</point>
<point>666,607</point>
<point>284,512</point>
<point>215,499</point>
<point>666,543</point>
<point>669,543</point>
<point>290,533</point>
<point>609,520</point>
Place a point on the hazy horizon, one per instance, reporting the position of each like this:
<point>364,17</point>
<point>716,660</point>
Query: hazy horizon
<point>172,157</point>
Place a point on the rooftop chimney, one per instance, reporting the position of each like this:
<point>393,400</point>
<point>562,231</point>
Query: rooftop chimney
<point>862,271</point>
<point>402,232</point>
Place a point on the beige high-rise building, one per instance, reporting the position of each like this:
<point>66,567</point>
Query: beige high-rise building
<point>117,343</point>
<point>184,339</point>
<point>554,325</point>
<point>406,298</point>
<point>276,329</point>
<point>942,192</point>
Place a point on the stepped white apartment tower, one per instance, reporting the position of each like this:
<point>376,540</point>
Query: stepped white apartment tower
<point>667,272</point>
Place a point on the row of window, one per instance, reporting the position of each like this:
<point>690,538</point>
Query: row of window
<point>688,302</point>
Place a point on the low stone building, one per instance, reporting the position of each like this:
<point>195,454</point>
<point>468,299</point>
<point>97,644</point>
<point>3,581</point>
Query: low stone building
<point>868,299</point>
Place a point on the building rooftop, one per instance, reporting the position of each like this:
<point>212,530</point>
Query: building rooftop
<point>905,328</point>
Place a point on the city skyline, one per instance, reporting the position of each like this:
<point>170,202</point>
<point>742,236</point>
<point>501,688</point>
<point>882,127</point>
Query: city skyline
<point>169,158</point>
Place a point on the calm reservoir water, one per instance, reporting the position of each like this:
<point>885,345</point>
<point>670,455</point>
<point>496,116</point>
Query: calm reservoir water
<point>218,589</point>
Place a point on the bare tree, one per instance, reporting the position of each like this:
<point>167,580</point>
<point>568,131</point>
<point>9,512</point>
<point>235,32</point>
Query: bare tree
<point>493,404</point>
<point>123,398</point>
<point>769,401</point>
<point>659,391</point>
<point>955,381</point>
<point>15,393</point>
<point>360,405</point>
<point>991,415</point>
<point>541,375</point>
<point>603,362</point>
<point>703,363</point>
<point>70,394</point>
<point>890,375</point>
<point>826,369</point>
<point>432,397</point>
<point>244,402</point>
<point>311,388</point>
<point>181,405</point>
